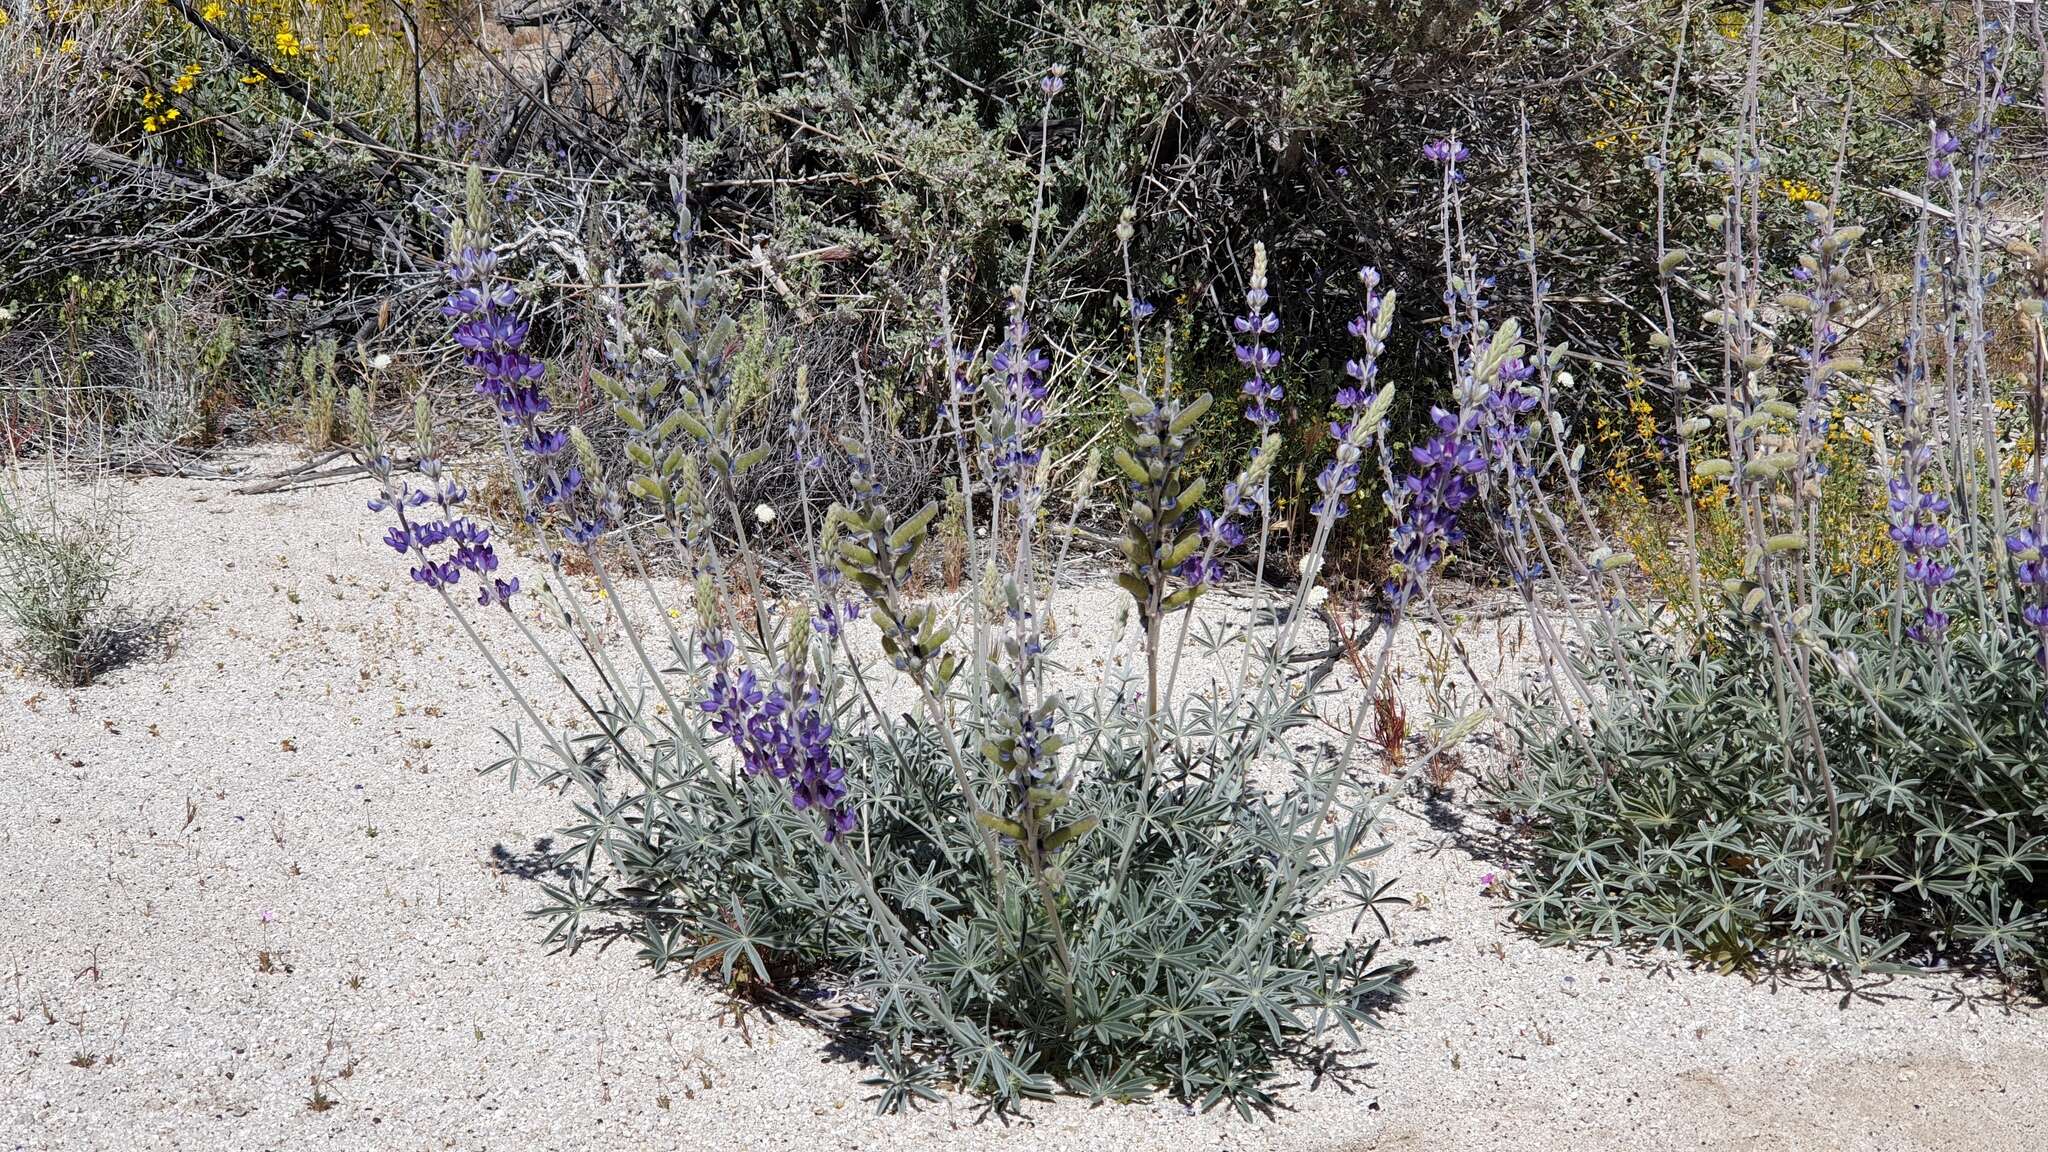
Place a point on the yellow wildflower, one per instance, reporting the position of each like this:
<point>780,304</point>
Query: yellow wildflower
<point>359,30</point>
<point>68,46</point>
<point>213,12</point>
<point>1798,191</point>
<point>287,42</point>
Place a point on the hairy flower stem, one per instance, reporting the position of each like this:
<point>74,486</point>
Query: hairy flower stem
<point>1151,693</point>
<point>1742,359</point>
<point>579,625</point>
<point>838,634</point>
<point>935,712</point>
<point>956,400</point>
<point>1260,465</point>
<point>631,630</point>
<point>862,875</point>
<point>561,750</point>
<point>645,578</point>
<point>1673,374</point>
<point>1152,696</point>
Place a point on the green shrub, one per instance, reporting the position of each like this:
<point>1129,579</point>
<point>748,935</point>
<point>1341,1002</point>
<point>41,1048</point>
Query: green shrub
<point>1189,914</point>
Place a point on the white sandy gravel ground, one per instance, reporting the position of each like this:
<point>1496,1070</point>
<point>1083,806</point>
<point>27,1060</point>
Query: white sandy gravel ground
<point>310,751</point>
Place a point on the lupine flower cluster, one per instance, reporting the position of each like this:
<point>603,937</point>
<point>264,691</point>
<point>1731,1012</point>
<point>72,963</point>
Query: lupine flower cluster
<point>1916,515</point>
<point>1507,405</point>
<point>1917,528</point>
<point>1426,502</point>
<point>1821,273</point>
<point>468,543</point>
<point>2029,548</point>
<point>1449,153</point>
<point>1022,732</point>
<point>1022,368</point>
<point>1221,530</point>
<point>493,339</point>
<point>836,606</point>
<point>1941,160</point>
<point>1356,401</point>
<point>1504,422</point>
<point>790,744</point>
<point>1262,394</point>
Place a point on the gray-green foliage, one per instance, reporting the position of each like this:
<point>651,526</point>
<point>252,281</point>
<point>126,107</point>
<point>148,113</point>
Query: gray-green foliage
<point>316,372</point>
<point>1837,763</point>
<point>61,563</point>
<point>1197,965</point>
<point>1679,818</point>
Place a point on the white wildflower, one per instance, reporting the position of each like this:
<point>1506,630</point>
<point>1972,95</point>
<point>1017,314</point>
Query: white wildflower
<point>764,515</point>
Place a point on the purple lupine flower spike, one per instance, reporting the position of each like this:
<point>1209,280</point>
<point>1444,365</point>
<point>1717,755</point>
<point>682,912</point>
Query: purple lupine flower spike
<point>493,337</point>
<point>1448,153</point>
<point>1023,370</point>
<point>1262,395</point>
<point>423,536</point>
<point>1941,164</point>
<point>1338,479</point>
<point>2029,549</point>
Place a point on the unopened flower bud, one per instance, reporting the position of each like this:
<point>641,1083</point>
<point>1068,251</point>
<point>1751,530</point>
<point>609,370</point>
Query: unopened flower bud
<point>586,454</point>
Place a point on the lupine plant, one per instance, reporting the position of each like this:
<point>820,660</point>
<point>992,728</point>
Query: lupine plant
<point>1843,771</point>
<point>1013,887</point>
